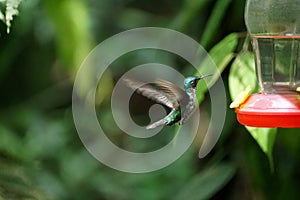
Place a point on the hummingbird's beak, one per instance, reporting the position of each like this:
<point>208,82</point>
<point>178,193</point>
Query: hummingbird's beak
<point>203,76</point>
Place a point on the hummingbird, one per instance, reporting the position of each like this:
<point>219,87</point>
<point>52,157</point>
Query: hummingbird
<point>181,102</point>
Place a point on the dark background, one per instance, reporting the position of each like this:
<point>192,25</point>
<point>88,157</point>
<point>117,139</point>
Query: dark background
<point>41,155</point>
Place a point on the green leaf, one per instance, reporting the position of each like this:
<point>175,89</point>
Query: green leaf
<point>221,54</point>
<point>71,23</point>
<point>242,74</point>
<point>207,183</point>
<point>214,21</point>
<point>11,144</point>
<point>265,137</point>
<point>189,12</point>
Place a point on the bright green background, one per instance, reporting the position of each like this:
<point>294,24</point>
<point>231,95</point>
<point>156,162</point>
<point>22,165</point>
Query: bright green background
<point>41,156</point>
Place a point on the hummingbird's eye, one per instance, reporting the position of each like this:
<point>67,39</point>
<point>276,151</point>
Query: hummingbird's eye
<point>194,83</point>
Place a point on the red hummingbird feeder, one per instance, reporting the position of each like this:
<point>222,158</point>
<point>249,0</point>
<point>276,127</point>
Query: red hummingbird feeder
<point>274,27</point>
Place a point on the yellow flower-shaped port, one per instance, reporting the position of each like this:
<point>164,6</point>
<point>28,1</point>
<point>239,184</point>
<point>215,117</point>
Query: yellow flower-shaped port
<point>241,97</point>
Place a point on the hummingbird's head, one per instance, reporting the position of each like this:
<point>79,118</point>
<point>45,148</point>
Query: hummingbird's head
<point>192,81</point>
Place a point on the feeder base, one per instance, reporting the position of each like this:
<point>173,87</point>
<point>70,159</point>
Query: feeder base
<point>270,110</point>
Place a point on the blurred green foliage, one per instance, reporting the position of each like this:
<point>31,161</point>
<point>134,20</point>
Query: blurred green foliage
<point>242,74</point>
<point>41,155</point>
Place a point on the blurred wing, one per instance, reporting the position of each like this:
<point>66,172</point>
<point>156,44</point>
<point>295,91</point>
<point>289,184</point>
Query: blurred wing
<point>172,89</point>
<point>158,92</point>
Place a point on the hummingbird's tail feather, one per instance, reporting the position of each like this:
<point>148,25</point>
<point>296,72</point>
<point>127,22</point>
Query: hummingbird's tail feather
<point>161,122</point>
